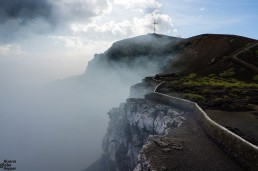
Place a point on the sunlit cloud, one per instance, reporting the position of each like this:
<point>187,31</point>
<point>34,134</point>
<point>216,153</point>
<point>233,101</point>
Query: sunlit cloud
<point>203,9</point>
<point>11,50</point>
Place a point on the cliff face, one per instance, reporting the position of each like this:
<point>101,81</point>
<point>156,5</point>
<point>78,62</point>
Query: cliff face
<point>130,126</point>
<point>146,134</point>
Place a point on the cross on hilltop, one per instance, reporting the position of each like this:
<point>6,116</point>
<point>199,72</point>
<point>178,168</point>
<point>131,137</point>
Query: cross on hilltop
<point>154,26</point>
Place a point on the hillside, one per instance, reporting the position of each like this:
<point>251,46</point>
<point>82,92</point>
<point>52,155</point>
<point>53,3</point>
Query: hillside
<point>211,54</point>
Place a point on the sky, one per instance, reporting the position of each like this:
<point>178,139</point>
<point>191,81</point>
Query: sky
<point>56,38</point>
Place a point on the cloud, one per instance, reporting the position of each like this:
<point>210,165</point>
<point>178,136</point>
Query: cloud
<point>136,25</point>
<point>24,10</point>
<point>70,31</point>
<point>22,18</point>
<point>94,19</point>
<point>9,50</point>
<point>203,9</point>
<point>18,16</point>
<point>78,44</point>
<point>79,10</point>
<point>140,5</point>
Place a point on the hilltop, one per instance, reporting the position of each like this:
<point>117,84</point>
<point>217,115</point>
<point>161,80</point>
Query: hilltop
<point>147,53</point>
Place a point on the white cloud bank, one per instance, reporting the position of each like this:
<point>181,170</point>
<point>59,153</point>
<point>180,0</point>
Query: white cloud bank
<point>125,19</point>
<point>71,31</point>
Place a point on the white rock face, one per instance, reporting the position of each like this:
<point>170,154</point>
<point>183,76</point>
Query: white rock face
<point>129,128</point>
<point>145,87</point>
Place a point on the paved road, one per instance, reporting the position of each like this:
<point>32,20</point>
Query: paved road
<point>198,151</point>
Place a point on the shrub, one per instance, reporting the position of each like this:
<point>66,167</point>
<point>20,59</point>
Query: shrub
<point>205,78</point>
<point>232,95</point>
<point>255,78</point>
<point>206,91</point>
<point>233,80</point>
<point>194,97</point>
<point>225,97</point>
<point>192,76</point>
<point>228,73</point>
<point>218,100</point>
<point>212,75</point>
<point>174,82</point>
<point>232,40</point>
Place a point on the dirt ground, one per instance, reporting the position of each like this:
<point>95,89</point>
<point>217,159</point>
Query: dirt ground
<point>245,124</point>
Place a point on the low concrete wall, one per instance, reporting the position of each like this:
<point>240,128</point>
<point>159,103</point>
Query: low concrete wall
<point>243,151</point>
<point>238,148</point>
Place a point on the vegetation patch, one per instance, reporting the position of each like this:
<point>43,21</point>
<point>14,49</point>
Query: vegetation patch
<point>194,97</point>
<point>228,73</point>
<point>192,76</point>
<point>219,83</point>
<point>232,40</point>
<point>213,92</point>
<point>212,75</point>
<point>255,78</point>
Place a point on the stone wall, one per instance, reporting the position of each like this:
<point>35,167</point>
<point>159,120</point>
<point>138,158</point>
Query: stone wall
<point>238,148</point>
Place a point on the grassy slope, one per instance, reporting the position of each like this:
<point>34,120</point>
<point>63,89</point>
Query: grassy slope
<point>213,92</point>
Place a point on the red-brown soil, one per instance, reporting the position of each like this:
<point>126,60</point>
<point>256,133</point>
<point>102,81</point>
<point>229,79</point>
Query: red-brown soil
<point>209,54</point>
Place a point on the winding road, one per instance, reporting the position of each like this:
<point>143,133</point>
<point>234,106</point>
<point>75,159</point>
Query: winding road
<point>235,58</point>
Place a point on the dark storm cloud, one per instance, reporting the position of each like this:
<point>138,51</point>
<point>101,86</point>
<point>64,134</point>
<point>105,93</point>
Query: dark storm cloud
<point>21,18</point>
<point>25,10</point>
<point>79,10</point>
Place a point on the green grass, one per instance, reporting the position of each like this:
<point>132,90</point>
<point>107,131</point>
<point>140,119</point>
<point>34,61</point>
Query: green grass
<point>216,92</point>
<point>229,73</point>
<point>192,76</point>
<point>212,75</point>
<point>206,91</point>
<point>217,82</point>
<point>218,100</point>
<point>193,97</point>
<point>232,40</point>
<point>255,78</point>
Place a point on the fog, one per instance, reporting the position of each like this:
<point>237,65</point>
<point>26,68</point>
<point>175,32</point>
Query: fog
<point>48,122</point>
<point>46,128</point>
<point>59,125</point>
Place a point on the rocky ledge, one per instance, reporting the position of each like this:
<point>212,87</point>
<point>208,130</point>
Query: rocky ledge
<point>129,129</point>
<point>130,126</point>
